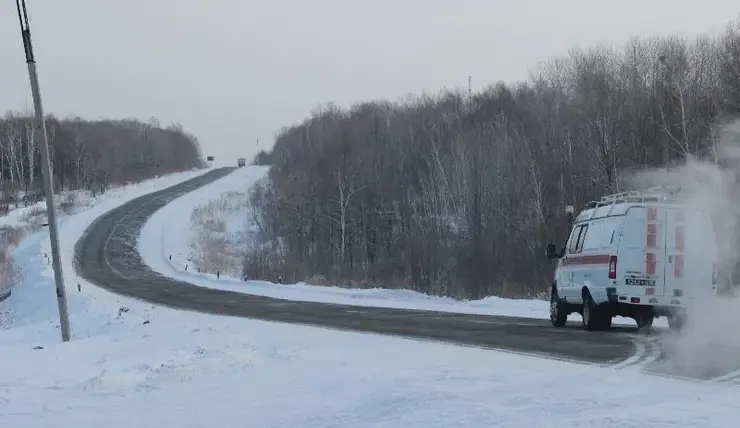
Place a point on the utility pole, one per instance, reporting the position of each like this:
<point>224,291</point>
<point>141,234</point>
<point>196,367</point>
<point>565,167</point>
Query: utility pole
<point>43,143</point>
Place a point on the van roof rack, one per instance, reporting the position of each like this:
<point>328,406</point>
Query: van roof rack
<point>665,194</point>
<point>653,194</point>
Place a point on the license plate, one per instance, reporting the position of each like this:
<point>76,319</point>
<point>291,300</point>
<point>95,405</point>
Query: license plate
<point>640,282</point>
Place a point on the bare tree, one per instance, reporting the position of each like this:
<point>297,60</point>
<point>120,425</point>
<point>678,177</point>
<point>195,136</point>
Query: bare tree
<point>91,154</point>
<point>458,193</point>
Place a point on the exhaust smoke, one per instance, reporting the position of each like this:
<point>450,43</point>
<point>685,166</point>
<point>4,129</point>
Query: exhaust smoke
<point>709,343</point>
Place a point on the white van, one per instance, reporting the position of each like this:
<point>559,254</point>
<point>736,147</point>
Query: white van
<point>634,254</point>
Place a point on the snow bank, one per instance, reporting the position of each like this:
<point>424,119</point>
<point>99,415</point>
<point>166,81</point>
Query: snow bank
<point>32,308</point>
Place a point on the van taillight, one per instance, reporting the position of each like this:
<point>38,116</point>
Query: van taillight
<point>613,267</point>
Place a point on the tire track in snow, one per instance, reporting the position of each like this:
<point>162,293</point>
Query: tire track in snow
<point>647,351</point>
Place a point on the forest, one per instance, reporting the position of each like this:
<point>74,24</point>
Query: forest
<point>458,193</point>
<point>89,155</point>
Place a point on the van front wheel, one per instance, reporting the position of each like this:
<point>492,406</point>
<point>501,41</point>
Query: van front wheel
<point>558,316</point>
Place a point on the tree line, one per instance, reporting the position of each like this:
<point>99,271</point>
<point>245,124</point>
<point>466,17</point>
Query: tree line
<point>89,154</point>
<point>458,194</point>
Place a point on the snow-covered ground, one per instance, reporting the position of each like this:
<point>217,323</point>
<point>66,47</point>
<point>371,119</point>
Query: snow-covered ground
<point>131,364</point>
<point>201,371</point>
<point>170,232</point>
<point>32,306</point>
<point>189,370</point>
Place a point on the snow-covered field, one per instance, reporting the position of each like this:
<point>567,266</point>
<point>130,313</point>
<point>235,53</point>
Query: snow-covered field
<point>131,364</point>
<point>32,306</point>
<point>170,232</point>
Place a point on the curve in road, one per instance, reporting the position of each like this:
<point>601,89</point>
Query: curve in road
<point>107,256</point>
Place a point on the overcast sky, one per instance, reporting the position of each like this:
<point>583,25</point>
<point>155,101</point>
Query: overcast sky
<point>233,71</point>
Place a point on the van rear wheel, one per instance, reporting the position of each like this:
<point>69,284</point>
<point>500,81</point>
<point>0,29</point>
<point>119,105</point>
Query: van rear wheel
<point>590,312</point>
<point>594,318</point>
<point>676,321</point>
<point>644,320</point>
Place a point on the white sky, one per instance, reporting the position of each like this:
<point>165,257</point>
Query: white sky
<point>232,71</point>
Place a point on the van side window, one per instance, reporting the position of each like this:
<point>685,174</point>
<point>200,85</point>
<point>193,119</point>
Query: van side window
<point>574,238</point>
<point>599,236</point>
<point>579,246</point>
<point>594,236</point>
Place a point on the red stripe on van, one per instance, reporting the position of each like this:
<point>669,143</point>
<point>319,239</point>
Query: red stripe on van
<point>652,214</point>
<point>590,259</point>
<point>650,262</point>
<point>678,266</point>
<point>679,238</point>
<point>651,235</point>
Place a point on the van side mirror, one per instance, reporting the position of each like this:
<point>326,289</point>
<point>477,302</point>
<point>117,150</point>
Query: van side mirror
<point>552,251</point>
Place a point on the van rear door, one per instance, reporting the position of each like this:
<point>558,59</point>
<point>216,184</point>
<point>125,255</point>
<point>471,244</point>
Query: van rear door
<point>641,253</point>
<point>691,253</point>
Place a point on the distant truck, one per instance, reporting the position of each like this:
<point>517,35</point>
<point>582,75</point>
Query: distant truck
<point>241,162</point>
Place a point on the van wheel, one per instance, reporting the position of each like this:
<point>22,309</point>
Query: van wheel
<point>676,322</point>
<point>606,322</point>
<point>594,318</point>
<point>558,316</point>
<point>644,321</point>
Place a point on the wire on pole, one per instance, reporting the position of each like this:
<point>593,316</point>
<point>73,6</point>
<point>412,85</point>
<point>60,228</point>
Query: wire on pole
<point>18,6</point>
<point>25,29</point>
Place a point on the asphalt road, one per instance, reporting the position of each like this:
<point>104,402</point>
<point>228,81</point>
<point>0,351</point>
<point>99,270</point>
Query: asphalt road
<point>106,255</point>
